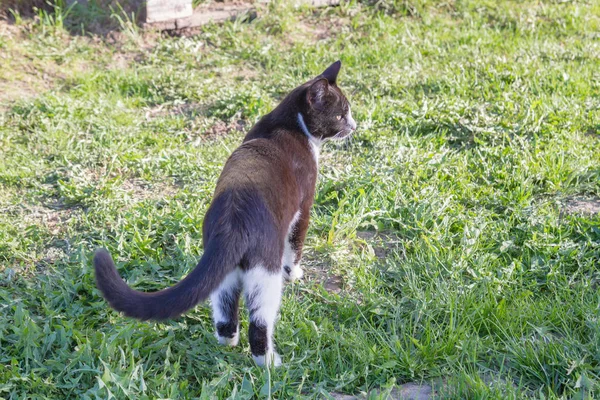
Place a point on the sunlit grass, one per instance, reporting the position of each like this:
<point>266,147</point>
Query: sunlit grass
<point>443,219</point>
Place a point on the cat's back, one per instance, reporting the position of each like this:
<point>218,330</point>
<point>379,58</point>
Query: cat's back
<point>258,163</point>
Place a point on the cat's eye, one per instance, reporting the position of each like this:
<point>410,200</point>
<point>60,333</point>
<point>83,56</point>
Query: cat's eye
<point>338,117</point>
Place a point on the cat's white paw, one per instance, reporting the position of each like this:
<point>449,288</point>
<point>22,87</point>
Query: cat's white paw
<point>267,360</point>
<point>297,273</point>
<point>293,274</point>
<point>229,341</point>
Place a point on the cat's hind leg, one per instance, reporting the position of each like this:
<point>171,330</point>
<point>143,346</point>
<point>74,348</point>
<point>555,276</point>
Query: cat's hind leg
<point>262,289</point>
<point>225,305</point>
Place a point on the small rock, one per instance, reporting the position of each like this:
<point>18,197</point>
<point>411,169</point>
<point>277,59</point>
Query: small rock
<point>412,391</point>
<point>408,391</point>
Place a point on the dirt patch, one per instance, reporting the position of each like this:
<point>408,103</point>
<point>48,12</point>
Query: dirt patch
<point>200,132</point>
<point>221,128</point>
<point>188,110</point>
<point>141,190</point>
<point>54,218</point>
<point>333,283</point>
<point>322,274</point>
<point>382,243</point>
<point>582,205</point>
<point>321,26</point>
<point>309,31</point>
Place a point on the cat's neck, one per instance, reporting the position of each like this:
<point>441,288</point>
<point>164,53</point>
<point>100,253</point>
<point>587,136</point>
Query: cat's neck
<point>315,144</point>
<point>286,119</point>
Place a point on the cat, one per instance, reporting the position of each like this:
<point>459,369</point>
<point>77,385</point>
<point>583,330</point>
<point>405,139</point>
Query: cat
<point>254,229</point>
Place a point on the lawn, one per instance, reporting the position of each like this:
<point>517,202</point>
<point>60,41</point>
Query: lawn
<point>448,245</point>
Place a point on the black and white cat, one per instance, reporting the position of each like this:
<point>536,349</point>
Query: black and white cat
<point>254,229</point>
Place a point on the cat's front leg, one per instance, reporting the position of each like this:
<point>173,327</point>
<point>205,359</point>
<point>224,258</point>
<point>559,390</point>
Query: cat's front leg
<point>292,273</point>
<point>292,253</point>
<point>291,268</point>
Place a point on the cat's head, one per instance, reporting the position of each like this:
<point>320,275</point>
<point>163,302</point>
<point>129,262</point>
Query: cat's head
<point>326,112</point>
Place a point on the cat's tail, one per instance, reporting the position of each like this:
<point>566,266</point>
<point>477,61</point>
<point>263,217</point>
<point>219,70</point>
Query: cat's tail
<point>213,267</point>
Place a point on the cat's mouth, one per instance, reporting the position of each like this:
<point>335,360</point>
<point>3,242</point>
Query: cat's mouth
<point>343,134</point>
<point>346,134</point>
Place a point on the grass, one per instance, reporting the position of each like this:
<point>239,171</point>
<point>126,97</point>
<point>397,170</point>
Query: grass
<point>444,218</point>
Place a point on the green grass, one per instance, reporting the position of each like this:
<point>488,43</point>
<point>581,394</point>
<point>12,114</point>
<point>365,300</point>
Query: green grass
<point>478,121</point>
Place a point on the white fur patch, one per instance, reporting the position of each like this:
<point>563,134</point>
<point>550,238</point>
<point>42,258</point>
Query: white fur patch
<point>315,144</point>
<point>350,120</point>
<point>263,295</point>
<point>264,288</point>
<point>289,255</point>
<point>271,358</point>
<point>228,285</point>
<point>232,341</point>
<point>296,273</point>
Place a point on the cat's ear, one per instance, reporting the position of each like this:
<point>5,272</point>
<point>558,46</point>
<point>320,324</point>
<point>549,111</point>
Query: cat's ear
<point>331,73</point>
<point>316,94</point>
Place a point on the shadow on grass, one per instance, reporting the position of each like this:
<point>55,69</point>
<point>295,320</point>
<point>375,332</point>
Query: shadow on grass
<point>101,18</point>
